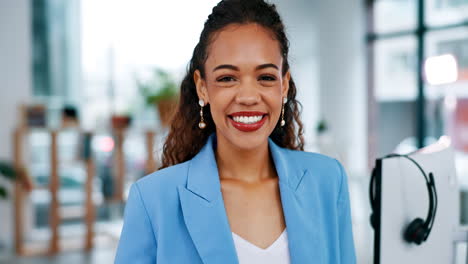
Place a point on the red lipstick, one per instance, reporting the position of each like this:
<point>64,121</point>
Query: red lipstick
<point>248,127</point>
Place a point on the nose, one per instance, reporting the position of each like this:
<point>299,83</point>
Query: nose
<point>247,94</point>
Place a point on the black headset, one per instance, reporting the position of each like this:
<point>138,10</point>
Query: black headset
<point>418,230</point>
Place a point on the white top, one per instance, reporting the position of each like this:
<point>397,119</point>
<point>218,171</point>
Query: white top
<point>276,253</point>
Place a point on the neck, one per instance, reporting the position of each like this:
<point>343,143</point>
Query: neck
<point>247,165</point>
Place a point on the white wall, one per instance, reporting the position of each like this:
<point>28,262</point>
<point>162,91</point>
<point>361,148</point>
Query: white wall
<point>327,57</point>
<point>15,85</point>
<point>341,70</point>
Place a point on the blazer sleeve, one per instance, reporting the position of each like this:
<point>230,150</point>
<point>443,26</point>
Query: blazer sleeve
<point>137,241</point>
<point>345,232</point>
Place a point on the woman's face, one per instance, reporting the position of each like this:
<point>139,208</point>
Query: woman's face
<point>243,84</point>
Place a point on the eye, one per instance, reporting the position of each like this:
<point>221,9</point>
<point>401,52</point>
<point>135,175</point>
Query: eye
<point>267,78</point>
<point>226,79</point>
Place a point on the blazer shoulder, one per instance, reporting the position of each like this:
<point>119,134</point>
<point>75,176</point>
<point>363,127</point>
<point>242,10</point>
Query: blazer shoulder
<point>314,160</point>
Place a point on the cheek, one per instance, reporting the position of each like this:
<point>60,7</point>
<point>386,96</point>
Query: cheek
<point>274,99</point>
<point>220,100</point>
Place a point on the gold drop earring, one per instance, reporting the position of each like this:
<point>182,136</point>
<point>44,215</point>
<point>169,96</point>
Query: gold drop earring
<point>282,112</point>
<point>202,123</point>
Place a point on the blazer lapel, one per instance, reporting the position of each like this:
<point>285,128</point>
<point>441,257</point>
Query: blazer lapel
<point>203,209</point>
<point>301,223</point>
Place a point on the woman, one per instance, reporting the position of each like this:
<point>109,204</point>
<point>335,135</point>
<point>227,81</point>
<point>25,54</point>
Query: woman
<point>236,186</point>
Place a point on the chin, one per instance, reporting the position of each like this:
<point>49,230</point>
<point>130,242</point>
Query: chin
<point>250,143</point>
<point>245,140</point>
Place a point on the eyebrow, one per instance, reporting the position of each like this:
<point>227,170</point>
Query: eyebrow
<point>235,68</point>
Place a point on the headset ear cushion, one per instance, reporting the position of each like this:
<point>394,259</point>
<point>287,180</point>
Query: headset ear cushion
<point>415,232</point>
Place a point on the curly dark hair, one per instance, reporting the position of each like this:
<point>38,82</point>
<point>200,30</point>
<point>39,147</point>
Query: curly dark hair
<point>185,138</point>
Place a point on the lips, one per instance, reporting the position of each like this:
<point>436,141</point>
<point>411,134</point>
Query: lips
<point>239,119</point>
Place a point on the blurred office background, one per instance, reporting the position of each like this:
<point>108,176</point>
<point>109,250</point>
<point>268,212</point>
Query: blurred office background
<point>85,84</point>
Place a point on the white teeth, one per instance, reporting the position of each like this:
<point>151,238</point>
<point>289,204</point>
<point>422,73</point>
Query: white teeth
<point>247,119</point>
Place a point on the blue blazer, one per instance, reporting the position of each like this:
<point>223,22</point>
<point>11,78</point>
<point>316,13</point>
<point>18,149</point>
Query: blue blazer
<point>177,214</point>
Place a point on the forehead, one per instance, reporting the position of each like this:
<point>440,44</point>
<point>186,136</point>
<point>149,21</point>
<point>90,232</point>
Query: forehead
<point>240,45</point>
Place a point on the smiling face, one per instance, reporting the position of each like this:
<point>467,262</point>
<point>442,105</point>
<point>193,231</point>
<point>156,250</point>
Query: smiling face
<point>243,84</point>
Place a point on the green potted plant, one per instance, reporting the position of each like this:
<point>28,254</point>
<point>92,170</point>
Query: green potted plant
<point>322,127</point>
<point>161,91</point>
<point>7,171</point>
